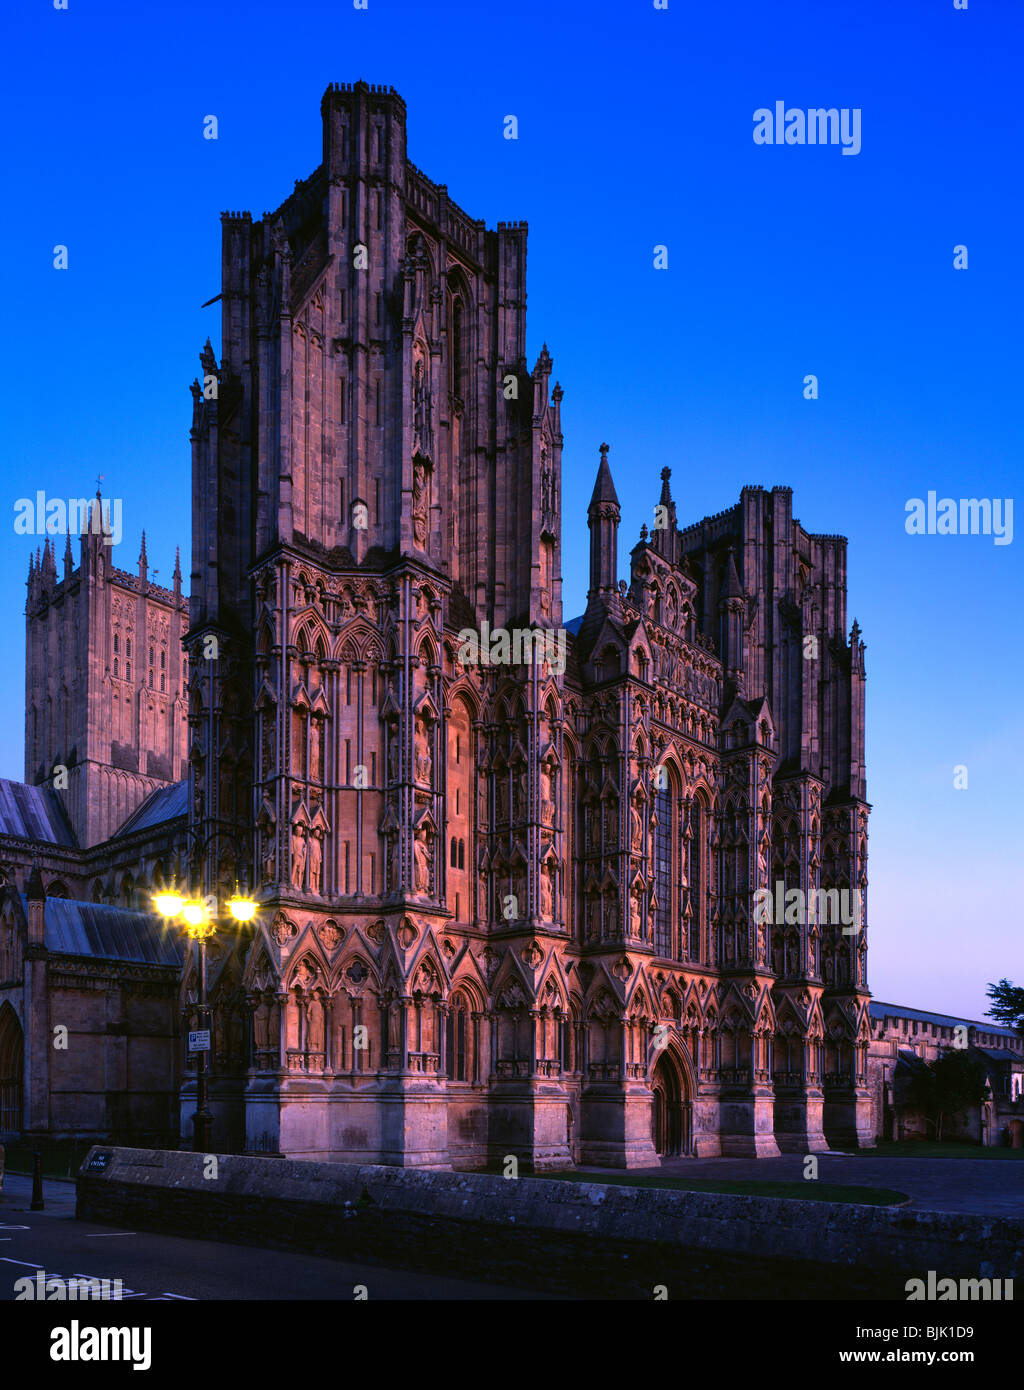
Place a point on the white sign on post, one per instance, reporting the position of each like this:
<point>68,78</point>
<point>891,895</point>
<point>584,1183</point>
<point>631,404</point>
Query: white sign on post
<point>199,1041</point>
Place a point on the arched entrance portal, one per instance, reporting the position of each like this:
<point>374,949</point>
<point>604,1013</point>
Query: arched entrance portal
<point>671,1112</point>
<point>12,1065</point>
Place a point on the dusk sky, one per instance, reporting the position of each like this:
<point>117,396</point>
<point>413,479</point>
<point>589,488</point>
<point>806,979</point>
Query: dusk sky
<point>635,130</point>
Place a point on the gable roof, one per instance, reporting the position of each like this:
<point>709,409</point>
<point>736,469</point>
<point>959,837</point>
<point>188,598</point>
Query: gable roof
<point>166,803</point>
<point>34,813</point>
<point>109,933</point>
<point>879,1010</point>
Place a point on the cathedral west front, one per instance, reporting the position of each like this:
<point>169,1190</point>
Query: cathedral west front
<point>506,861</point>
<point>509,862</point>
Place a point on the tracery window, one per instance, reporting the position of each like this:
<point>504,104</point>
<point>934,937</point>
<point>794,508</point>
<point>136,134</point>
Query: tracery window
<point>663,872</point>
<point>458,1045</point>
<point>696,880</point>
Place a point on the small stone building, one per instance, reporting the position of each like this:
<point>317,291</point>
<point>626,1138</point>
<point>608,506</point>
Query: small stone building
<point>88,1020</point>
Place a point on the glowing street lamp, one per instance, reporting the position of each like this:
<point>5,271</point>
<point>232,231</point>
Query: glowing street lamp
<point>168,904</point>
<point>242,909</point>
<point>200,923</point>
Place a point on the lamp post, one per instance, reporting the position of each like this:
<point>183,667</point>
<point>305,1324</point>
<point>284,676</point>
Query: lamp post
<point>200,925</point>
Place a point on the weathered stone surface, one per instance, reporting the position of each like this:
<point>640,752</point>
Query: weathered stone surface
<point>467,1220</point>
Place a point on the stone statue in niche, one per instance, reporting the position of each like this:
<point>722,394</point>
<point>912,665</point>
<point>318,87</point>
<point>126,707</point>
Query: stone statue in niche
<point>501,796</point>
<point>315,1027</point>
<point>421,854</point>
<point>547,897</point>
<point>268,745</point>
<point>424,763</point>
<point>547,793</point>
<point>593,918</point>
<point>314,750</point>
<point>637,827</point>
<point>315,860</point>
<point>547,484</point>
<point>635,914</point>
<point>261,1026</point>
<point>420,502</point>
<point>393,750</point>
<point>269,858</point>
<point>298,855</point>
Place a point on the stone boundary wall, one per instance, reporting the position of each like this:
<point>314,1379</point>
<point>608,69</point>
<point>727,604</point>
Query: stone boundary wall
<point>579,1238</point>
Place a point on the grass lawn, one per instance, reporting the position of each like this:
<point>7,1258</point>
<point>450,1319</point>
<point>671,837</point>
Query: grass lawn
<point>931,1148</point>
<point>805,1191</point>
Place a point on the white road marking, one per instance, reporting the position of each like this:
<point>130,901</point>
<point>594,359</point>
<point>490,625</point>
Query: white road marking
<point>105,1235</point>
<point>125,1293</point>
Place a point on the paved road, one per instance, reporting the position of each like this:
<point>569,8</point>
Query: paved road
<point>991,1187</point>
<point>169,1267</point>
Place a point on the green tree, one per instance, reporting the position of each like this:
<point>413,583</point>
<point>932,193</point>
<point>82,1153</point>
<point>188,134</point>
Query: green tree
<point>1007,1004</point>
<point>947,1088</point>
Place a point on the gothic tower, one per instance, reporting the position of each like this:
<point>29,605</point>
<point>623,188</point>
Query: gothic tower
<point>105,708</point>
<point>374,465</point>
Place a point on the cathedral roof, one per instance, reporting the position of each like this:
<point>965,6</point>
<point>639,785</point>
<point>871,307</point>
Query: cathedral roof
<point>109,933</point>
<point>166,803</point>
<point>34,813</point>
<point>880,1010</point>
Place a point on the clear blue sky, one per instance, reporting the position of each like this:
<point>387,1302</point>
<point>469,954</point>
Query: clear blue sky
<point>635,129</point>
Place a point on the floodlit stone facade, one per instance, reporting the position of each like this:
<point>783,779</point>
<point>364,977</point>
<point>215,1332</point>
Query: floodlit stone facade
<point>507,906</point>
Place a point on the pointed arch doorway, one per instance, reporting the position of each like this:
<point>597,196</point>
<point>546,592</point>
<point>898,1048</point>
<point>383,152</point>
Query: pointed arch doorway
<point>12,1066</point>
<point>671,1111</point>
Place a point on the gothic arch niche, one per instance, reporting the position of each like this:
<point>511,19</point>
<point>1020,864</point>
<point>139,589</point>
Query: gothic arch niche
<point>460,1037</point>
<point>664,871</point>
<point>671,1112</point>
<point>459,810</point>
<point>460,319</point>
<point>12,1067</point>
<point>697,885</point>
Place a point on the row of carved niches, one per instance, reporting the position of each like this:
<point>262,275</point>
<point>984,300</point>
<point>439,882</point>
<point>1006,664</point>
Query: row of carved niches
<point>511,799</point>
<point>510,891</point>
<point>338,600</point>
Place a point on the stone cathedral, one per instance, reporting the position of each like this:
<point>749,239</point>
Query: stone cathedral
<point>506,905</point>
